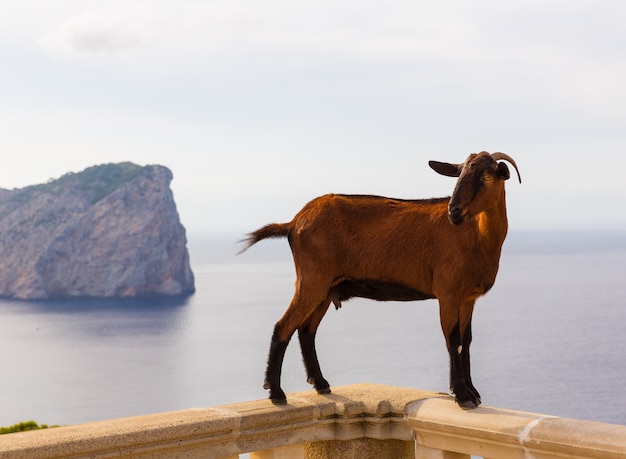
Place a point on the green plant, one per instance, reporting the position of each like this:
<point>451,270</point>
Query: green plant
<point>23,427</point>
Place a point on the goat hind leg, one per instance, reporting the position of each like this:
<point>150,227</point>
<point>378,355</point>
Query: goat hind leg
<point>306,336</point>
<point>274,368</point>
<point>302,309</point>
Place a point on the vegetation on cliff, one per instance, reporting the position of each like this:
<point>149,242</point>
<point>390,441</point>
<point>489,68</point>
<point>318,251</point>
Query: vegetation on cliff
<point>95,182</point>
<point>100,181</point>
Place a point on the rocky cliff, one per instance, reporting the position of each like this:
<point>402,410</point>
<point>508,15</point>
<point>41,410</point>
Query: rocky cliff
<point>109,231</point>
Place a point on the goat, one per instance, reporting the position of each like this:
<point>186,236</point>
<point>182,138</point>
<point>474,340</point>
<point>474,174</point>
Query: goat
<point>386,249</point>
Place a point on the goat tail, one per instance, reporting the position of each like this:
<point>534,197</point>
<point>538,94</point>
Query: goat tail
<point>273,230</point>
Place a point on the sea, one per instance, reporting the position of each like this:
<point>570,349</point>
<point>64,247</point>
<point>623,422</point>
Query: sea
<point>548,338</point>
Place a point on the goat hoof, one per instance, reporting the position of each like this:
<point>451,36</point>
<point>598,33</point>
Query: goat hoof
<point>321,386</point>
<point>475,395</point>
<point>277,396</point>
<point>467,404</point>
<point>278,401</point>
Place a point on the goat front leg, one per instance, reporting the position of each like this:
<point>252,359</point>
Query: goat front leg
<point>465,361</point>
<point>455,322</point>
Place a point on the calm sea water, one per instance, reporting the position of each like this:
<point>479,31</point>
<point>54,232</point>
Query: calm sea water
<point>548,338</point>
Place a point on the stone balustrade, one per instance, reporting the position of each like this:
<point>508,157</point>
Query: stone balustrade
<point>357,421</point>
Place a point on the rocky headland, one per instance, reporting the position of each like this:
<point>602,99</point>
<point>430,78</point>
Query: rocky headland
<point>110,231</point>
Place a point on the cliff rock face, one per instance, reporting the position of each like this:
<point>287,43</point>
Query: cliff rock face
<point>109,231</point>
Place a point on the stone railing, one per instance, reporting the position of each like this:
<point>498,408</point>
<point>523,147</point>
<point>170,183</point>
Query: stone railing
<point>359,421</point>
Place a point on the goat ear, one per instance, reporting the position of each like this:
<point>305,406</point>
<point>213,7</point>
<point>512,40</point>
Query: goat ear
<point>503,170</point>
<point>450,170</point>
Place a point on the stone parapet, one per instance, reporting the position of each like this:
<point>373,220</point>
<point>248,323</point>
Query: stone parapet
<point>363,420</point>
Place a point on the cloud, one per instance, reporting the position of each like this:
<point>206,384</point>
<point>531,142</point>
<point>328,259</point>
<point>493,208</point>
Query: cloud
<point>164,28</point>
<point>101,33</point>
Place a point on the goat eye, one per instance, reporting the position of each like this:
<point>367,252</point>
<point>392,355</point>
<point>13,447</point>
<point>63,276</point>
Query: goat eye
<point>486,178</point>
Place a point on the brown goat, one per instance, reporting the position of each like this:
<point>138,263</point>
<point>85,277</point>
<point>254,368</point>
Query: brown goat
<point>385,249</point>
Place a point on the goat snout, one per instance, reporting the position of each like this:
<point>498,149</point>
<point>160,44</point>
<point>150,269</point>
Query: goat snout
<point>456,215</point>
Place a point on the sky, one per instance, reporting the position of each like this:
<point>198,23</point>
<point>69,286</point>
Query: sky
<point>258,107</point>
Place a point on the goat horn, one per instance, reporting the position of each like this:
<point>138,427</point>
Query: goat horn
<point>498,156</point>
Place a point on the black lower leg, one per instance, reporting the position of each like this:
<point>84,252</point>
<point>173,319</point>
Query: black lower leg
<point>465,362</point>
<point>311,363</point>
<point>454,341</point>
<point>464,395</point>
<point>274,366</point>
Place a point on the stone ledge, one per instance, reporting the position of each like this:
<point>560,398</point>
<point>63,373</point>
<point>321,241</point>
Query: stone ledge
<point>350,412</point>
<point>493,432</point>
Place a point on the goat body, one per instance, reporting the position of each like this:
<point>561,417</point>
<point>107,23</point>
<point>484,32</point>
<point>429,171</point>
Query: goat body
<point>347,246</point>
